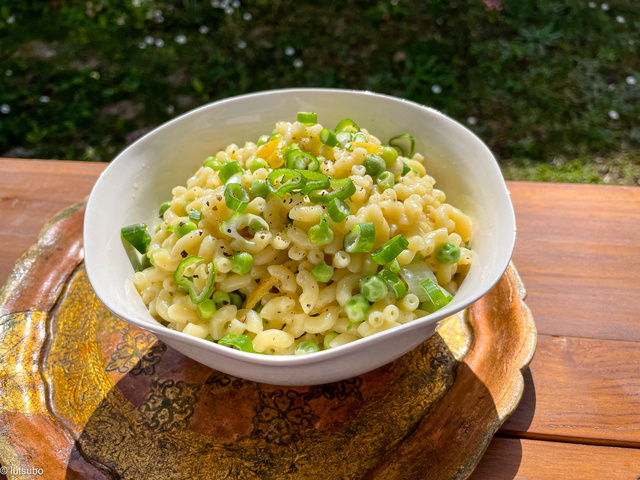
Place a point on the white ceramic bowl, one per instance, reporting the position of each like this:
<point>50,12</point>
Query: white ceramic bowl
<point>142,177</point>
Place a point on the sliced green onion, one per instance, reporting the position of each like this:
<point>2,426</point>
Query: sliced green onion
<point>394,266</point>
<point>360,137</point>
<point>360,239</point>
<point>221,298</point>
<point>342,189</point>
<point>206,309</point>
<point>290,181</point>
<point>241,262</point>
<point>157,228</point>
<point>301,160</point>
<point>373,288</point>
<point>394,283</point>
<point>236,300</point>
<point>356,309</point>
<point>347,122</point>
<point>307,118</point>
<point>186,283</point>
<point>236,197</point>
<point>386,180</point>
<point>344,137</point>
<point>405,169</point>
<point>213,163</point>
<point>328,137</point>
<point>209,338</point>
<point>257,224</point>
<point>328,338</point>
<point>262,140</point>
<point>229,170</point>
<point>259,188</point>
<point>397,142</point>
<point>257,163</point>
<point>306,347</point>
<point>448,253</point>
<point>321,234</point>
<point>163,208</point>
<point>314,181</point>
<point>137,236</point>
<point>239,342</point>
<point>390,250</point>
<point>195,215</point>
<point>234,224</point>
<point>338,210</point>
<point>389,155</point>
<point>182,228</point>
<point>374,164</point>
<point>322,272</point>
<point>437,296</point>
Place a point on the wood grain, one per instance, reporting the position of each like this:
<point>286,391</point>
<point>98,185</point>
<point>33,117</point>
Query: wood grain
<point>578,251</point>
<point>581,390</point>
<point>511,458</point>
<point>31,192</point>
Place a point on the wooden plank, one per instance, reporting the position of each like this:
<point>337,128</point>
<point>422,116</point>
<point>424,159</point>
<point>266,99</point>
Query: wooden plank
<point>578,252</point>
<point>31,192</point>
<point>581,390</point>
<point>510,458</point>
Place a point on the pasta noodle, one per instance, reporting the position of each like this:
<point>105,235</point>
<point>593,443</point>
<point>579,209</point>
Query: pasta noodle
<point>249,247</point>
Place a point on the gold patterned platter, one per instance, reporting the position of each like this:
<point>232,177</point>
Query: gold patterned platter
<point>85,395</point>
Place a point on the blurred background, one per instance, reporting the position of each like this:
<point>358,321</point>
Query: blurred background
<point>551,86</point>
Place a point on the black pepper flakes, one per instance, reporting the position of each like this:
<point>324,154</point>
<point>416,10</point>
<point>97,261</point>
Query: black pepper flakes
<point>184,254</point>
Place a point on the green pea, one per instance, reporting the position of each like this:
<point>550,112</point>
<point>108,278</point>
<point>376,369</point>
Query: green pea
<point>182,228</point>
<point>374,164</point>
<point>448,253</point>
<point>213,163</point>
<point>259,188</point>
<point>241,262</point>
<point>389,155</point>
<point>257,163</point>
<point>221,298</point>
<point>306,347</point>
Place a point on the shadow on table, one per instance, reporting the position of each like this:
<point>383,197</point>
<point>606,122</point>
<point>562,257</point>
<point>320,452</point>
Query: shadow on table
<point>171,417</point>
<point>504,455</point>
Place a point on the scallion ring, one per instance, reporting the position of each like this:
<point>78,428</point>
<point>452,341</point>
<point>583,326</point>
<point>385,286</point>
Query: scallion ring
<point>398,140</point>
<point>236,197</point>
<point>394,283</point>
<point>390,250</point>
<point>438,297</point>
<point>229,170</point>
<point>338,210</point>
<point>185,282</point>
<point>301,160</point>
<point>328,137</point>
<point>344,137</point>
<point>314,181</point>
<point>137,236</point>
<point>290,181</point>
<point>347,122</point>
<point>239,342</point>
<point>360,239</point>
<point>342,188</point>
<point>321,234</point>
<point>307,118</point>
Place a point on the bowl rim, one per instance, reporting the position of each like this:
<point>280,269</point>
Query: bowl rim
<point>344,350</point>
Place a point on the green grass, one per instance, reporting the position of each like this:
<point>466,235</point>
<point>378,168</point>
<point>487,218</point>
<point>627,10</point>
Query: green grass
<point>537,80</point>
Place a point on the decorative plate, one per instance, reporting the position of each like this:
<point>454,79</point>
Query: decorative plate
<point>85,395</point>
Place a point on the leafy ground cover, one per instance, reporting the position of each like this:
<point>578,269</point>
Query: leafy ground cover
<point>551,86</point>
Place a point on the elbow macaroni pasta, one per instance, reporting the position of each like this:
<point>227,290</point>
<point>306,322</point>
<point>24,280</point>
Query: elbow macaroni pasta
<point>282,302</point>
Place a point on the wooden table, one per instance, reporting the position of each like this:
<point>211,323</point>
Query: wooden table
<point>578,253</point>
